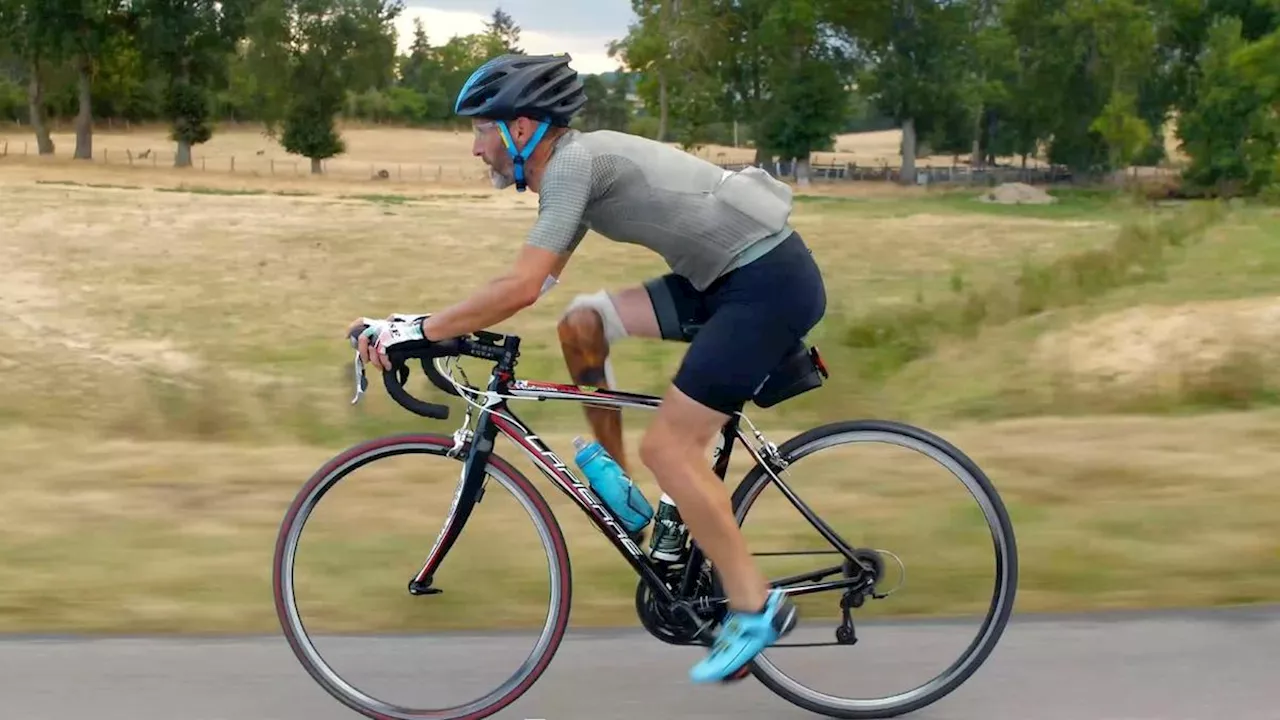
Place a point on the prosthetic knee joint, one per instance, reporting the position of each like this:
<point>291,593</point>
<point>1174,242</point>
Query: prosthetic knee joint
<point>601,305</point>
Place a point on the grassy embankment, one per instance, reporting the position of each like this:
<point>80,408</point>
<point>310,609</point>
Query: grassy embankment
<point>176,370</point>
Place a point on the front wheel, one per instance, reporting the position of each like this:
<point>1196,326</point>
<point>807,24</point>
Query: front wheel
<point>856,495</point>
<point>433,453</point>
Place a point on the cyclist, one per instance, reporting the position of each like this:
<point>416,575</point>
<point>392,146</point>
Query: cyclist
<point>741,278</point>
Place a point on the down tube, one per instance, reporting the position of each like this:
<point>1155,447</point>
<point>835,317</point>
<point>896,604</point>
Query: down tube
<point>553,467</point>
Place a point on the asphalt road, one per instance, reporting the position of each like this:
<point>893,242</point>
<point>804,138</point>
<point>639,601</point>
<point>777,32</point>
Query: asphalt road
<point>1153,666</point>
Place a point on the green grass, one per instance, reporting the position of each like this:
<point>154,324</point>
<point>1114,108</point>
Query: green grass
<point>383,199</point>
<point>1071,203</point>
<point>204,378</point>
<point>968,351</point>
<point>1139,254</point>
<point>197,190</point>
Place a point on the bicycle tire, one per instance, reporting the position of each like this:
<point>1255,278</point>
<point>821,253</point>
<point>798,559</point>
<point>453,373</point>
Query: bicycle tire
<point>497,469</point>
<point>998,613</point>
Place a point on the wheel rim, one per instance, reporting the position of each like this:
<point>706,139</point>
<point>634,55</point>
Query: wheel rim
<point>311,657</point>
<point>993,622</point>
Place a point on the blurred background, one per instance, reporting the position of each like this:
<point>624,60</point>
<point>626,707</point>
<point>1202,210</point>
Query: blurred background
<point>1048,227</point>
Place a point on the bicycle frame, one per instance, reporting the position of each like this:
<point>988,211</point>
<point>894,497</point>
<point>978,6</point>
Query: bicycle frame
<point>497,417</point>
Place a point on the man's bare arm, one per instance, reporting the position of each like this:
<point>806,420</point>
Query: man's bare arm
<point>562,199</point>
<point>500,298</point>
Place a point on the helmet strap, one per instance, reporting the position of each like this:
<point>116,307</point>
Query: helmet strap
<point>519,156</point>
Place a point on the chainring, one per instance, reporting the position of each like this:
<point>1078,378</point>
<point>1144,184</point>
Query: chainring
<point>671,623</point>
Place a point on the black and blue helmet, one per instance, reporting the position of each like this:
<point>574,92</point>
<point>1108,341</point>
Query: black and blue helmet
<point>539,87</point>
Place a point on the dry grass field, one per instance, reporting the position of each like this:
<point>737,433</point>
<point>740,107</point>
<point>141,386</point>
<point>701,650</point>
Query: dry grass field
<point>405,155</point>
<point>175,369</point>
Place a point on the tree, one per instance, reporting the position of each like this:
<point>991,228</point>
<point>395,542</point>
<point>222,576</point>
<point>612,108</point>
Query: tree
<point>451,65</point>
<point>914,52</point>
<point>191,41</point>
<point>1126,42</point>
<point>33,36</point>
<point>1185,31</point>
<point>1222,71</point>
<point>502,33</point>
<point>807,79</point>
<point>990,63</point>
<point>1083,68</point>
<point>1232,131</point>
<point>647,50</point>
<point>79,30</point>
<point>1259,63</point>
<point>1123,131</point>
<point>772,66</point>
<point>125,83</point>
<point>316,51</point>
<point>607,106</point>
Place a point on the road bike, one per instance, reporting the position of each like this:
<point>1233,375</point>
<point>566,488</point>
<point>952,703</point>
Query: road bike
<point>678,603</point>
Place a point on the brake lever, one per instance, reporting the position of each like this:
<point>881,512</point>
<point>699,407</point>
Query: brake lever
<point>362,381</point>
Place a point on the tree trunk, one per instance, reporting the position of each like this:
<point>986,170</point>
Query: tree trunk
<point>802,172</point>
<point>317,166</point>
<point>84,118</point>
<point>764,157</point>
<point>35,103</point>
<point>183,157</point>
<point>993,128</point>
<point>975,154</point>
<point>666,13</point>
<point>663,106</point>
<point>908,152</point>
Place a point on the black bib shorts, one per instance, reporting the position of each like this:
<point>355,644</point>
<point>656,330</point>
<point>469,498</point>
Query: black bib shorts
<point>743,326</point>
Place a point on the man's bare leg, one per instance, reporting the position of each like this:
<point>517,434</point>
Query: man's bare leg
<point>674,449</point>
<point>586,348</point>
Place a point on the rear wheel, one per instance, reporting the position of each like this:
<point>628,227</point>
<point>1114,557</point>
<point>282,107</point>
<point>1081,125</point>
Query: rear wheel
<point>848,478</point>
<point>435,447</point>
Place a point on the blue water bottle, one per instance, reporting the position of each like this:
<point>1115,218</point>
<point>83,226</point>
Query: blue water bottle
<point>613,486</point>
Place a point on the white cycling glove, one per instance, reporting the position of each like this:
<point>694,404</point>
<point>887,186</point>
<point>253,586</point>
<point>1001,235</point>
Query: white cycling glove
<point>406,317</point>
<point>398,328</point>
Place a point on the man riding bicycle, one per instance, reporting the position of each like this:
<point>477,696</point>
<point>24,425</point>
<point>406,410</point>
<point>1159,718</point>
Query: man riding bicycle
<point>743,291</point>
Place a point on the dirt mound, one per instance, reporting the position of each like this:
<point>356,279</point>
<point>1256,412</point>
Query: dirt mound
<point>1017,194</point>
<point>1161,347</point>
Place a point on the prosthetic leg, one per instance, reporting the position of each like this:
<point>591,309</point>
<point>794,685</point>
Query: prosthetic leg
<point>588,327</point>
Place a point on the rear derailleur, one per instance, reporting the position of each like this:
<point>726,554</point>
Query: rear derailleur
<point>869,563</point>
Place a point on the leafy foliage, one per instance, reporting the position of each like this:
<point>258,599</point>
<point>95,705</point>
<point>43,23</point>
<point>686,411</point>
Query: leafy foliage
<point>1089,84</point>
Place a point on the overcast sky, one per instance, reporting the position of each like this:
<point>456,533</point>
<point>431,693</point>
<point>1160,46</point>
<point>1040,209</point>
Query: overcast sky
<point>582,28</point>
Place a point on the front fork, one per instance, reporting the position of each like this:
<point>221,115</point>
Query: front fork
<point>471,483</point>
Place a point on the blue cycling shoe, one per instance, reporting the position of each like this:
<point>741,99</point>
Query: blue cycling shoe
<point>742,637</point>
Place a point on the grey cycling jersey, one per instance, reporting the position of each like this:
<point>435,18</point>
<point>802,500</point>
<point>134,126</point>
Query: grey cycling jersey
<point>701,219</point>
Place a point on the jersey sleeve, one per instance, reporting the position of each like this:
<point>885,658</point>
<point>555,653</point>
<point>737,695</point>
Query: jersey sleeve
<point>562,199</point>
